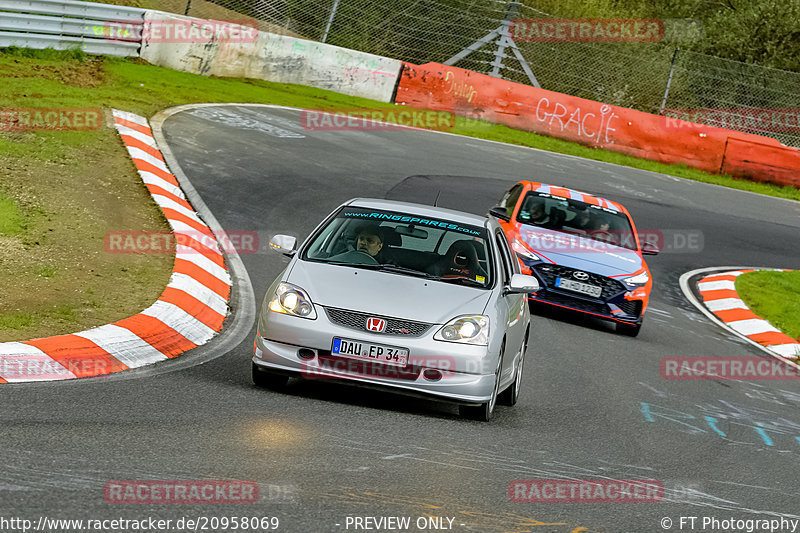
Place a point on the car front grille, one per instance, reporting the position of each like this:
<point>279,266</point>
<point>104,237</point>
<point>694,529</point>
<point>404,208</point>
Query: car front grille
<point>574,302</point>
<point>394,326</point>
<point>549,273</point>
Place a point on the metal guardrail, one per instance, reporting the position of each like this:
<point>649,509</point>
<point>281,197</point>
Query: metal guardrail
<point>65,24</point>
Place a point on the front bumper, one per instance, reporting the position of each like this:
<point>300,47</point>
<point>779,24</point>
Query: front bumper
<point>620,305</point>
<point>442,370</point>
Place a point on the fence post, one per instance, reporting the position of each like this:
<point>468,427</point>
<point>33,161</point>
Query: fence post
<point>669,81</point>
<point>330,20</point>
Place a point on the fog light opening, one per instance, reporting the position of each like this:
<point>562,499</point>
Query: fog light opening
<point>432,374</point>
<point>306,353</point>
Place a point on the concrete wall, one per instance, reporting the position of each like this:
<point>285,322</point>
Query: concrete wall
<point>241,51</point>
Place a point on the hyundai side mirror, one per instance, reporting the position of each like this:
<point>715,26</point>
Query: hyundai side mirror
<point>499,212</point>
<point>648,248</point>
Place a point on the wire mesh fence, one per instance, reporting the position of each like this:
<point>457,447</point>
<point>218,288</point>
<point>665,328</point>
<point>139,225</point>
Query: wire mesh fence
<point>654,76</point>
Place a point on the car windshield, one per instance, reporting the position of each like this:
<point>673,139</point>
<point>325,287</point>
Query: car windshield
<point>576,217</point>
<point>404,244</point>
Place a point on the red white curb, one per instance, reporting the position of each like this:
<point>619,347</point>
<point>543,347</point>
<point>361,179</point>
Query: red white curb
<point>719,296</point>
<point>188,313</point>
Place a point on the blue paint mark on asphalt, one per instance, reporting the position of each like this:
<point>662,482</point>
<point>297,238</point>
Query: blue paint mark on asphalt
<point>713,423</point>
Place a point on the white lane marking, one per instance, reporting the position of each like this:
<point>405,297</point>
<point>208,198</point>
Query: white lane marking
<point>726,304</point>
<point>123,344</point>
<point>195,257</point>
<point>130,117</point>
<point>152,179</point>
<point>182,228</point>
<point>197,290</point>
<point>752,326</point>
<point>181,321</point>
<point>704,286</point>
<point>791,350</point>
<point>138,135</point>
<point>138,153</point>
<point>163,201</point>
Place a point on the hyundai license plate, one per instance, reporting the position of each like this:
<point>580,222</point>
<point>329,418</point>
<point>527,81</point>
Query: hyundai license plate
<point>380,353</point>
<point>577,286</point>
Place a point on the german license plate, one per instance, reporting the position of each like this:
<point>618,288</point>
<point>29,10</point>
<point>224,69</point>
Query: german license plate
<point>577,286</point>
<point>380,353</point>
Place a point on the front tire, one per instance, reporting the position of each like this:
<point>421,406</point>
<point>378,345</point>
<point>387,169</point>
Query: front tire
<point>268,380</point>
<point>484,411</point>
<point>510,396</point>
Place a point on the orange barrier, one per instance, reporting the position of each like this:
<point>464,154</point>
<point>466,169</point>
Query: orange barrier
<point>778,165</point>
<point>667,140</point>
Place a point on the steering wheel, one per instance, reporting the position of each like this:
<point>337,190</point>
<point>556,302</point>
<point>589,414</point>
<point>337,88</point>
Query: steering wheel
<point>364,258</point>
<point>354,257</point>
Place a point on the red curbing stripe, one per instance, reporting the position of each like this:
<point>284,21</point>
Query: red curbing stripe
<point>194,307</point>
<point>182,266</point>
<point>719,294</point>
<point>772,337</point>
<point>155,189</point>
<point>157,334</point>
<point>149,167</point>
<point>731,315</point>
<point>171,214</point>
<point>3,381</point>
<point>134,126</point>
<point>80,356</point>
<point>719,277</point>
<point>136,143</point>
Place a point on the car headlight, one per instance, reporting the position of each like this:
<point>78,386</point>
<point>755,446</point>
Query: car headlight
<point>638,279</point>
<point>292,300</point>
<point>523,250</point>
<point>467,329</point>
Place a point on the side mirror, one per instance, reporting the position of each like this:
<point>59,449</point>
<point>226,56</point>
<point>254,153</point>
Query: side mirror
<point>522,283</point>
<point>285,244</point>
<point>499,212</point>
<point>648,248</point>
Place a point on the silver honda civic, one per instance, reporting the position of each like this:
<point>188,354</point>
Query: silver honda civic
<point>419,299</point>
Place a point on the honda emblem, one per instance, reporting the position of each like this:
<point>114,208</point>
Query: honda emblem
<point>378,325</point>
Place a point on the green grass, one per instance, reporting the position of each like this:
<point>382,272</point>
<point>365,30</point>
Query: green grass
<point>774,296</point>
<point>141,88</point>
<point>10,216</point>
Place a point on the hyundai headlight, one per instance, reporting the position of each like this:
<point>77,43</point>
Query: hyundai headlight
<point>523,250</point>
<point>292,300</point>
<point>467,329</point>
<point>638,279</point>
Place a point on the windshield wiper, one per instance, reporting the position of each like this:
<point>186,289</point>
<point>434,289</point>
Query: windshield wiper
<point>388,267</point>
<point>459,279</point>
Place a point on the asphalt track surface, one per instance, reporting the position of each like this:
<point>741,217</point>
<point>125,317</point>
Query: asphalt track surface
<point>594,404</point>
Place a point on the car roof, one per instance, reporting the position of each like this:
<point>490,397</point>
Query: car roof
<point>421,210</point>
<point>565,192</point>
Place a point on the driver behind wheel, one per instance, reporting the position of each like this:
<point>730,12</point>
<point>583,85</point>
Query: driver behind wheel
<point>368,240</point>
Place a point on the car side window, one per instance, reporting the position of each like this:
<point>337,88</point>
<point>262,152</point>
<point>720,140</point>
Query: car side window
<point>509,265</point>
<point>509,200</point>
